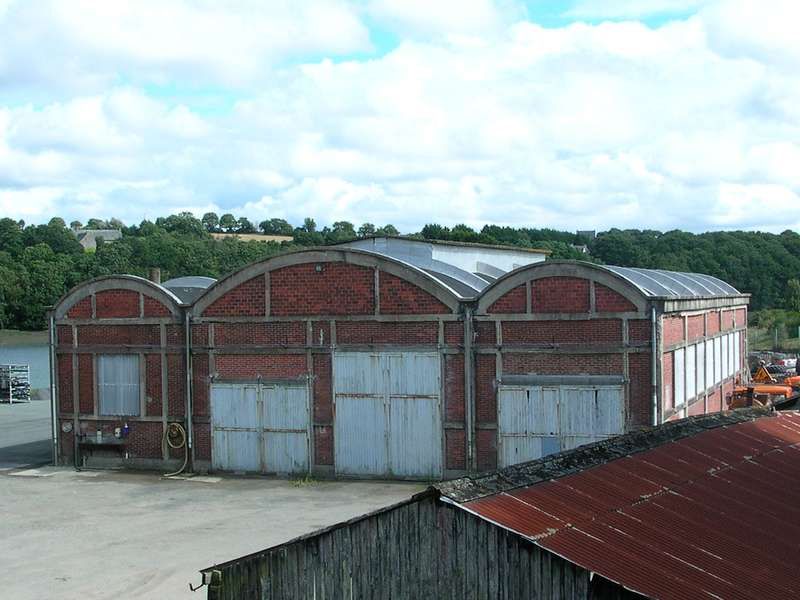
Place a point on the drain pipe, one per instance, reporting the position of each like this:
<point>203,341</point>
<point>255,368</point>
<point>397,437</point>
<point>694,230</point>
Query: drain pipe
<point>53,407</point>
<point>468,388</point>
<point>654,360</point>
<point>189,405</point>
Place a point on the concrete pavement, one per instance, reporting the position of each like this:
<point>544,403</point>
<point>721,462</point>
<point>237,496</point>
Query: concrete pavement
<point>111,535</point>
<point>25,437</point>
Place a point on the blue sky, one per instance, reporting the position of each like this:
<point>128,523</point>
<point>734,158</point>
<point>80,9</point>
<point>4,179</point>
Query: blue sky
<point>581,114</point>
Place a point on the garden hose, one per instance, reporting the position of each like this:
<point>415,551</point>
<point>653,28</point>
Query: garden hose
<point>175,436</point>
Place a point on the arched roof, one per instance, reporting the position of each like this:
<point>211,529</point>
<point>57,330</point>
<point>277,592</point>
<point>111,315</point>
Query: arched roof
<point>638,285</point>
<point>655,283</point>
<point>115,282</point>
<point>419,277</point>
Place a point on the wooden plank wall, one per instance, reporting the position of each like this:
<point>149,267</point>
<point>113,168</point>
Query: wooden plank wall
<point>423,549</point>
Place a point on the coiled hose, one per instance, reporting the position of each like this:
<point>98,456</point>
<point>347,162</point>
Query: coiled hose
<point>175,436</point>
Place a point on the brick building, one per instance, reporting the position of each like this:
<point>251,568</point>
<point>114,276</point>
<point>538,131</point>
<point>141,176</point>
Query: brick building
<point>388,357</point>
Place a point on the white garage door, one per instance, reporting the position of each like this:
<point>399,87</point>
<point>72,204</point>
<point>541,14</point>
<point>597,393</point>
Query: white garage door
<point>260,427</point>
<point>388,414</point>
<point>534,421</point>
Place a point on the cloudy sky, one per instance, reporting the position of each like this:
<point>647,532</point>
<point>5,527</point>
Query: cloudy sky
<point>571,114</point>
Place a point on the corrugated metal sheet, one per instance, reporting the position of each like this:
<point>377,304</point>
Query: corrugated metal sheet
<point>260,428</point>
<point>118,384</point>
<point>388,414</point>
<point>715,514</point>
<point>534,421</point>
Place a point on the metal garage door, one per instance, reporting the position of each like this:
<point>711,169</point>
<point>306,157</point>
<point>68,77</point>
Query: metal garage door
<point>260,427</point>
<point>388,414</point>
<point>535,421</point>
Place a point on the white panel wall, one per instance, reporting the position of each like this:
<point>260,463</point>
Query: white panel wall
<point>680,374</point>
<point>691,372</point>
<point>701,368</point>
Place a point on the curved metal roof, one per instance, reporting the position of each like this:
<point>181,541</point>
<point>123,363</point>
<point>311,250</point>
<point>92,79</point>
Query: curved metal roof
<point>188,289</point>
<point>655,283</point>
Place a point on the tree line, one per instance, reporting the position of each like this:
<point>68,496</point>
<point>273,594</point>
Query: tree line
<point>39,263</point>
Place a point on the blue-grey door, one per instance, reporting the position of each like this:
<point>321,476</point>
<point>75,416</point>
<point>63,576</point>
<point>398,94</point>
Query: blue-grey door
<point>534,421</point>
<point>388,414</point>
<point>260,427</point>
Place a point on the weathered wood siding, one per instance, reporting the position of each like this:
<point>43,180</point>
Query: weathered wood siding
<point>419,549</point>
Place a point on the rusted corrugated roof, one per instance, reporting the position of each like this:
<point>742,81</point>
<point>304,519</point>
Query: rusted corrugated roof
<point>712,514</point>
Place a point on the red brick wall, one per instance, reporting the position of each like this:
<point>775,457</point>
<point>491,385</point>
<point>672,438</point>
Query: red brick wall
<point>175,335</point>
<point>85,384</point>
<point>640,401</point>
<point>323,395</point>
<point>64,366</point>
<point>672,330</point>
<point>607,300</point>
<point>176,386</point>
<point>200,385</point>
<point>64,335</point>
<point>486,332</point>
<point>144,440</point>
<point>67,444</point>
<point>590,332</point>
<point>260,334</point>
<point>152,384</point>
<point>639,331</point>
<point>202,441</point>
<point>339,289</point>
<point>455,449</point>
<point>251,366</point>
<point>741,317</point>
<point>713,323</point>
<point>667,389</point>
<point>513,301</point>
<point>323,445</point>
<point>454,333</point>
<point>486,449</point>
<point>560,295</point>
<point>697,408</point>
<point>562,364</point>
<point>245,300</point>
<point>399,297</point>
<point>119,335</point>
<point>81,309</point>
<point>454,387</point>
<point>374,332</point>
<point>117,304</point>
<point>199,334</point>
<point>154,308</point>
<point>320,333</point>
<point>485,398</point>
<point>714,402</point>
<point>727,320</point>
<point>696,326</point>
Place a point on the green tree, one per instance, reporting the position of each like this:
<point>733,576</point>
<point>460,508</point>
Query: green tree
<point>227,222</point>
<point>366,230</point>
<point>793,294</point>
<point>210,222</point>
<point>243,225</point>
<point>309,225</point>
<point>387,229</point>
<point>276,227</point>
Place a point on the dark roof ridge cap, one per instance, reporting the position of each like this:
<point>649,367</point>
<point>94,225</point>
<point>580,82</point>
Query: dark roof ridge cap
<point>585,457</point>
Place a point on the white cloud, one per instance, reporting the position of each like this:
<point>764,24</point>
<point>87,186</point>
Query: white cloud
<point>695,124</point>
<point>422,17</point>
<point>632,9</point>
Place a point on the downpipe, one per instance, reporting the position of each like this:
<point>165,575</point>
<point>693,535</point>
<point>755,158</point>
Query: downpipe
<point>189,404</point>
<point>654,358</point>
<point>53,400</point>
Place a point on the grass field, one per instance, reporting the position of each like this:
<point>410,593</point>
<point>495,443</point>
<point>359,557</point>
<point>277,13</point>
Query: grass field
<point>13,337</point>
<point>762,339</point>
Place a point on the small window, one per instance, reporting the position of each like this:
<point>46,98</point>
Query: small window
<point>118,384</point>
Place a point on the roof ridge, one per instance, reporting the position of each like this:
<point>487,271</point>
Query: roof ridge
<point>584,457</point>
